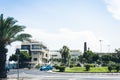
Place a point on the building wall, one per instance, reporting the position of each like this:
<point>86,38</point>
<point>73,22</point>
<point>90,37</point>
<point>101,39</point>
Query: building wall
<point>56,54</point>
<point>38,51</point>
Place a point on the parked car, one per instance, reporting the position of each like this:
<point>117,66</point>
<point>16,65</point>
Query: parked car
<point>46,68</point>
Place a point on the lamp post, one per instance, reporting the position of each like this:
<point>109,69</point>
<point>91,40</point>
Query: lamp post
<point>100,46</point>
<point>18,52</point>
<point>108,48</point>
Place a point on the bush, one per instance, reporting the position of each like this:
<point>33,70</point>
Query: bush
<point>62,68</point>
<point>78,65</point>
<point>110,68</point>
<point>117,67</point>
<point>71,65</point>
<point>56,67</point>
<point>37,66</point>
<point>87,67</point>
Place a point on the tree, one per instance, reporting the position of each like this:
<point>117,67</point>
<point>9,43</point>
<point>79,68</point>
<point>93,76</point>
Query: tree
<point>23,58</point>
<point>117,50</point>
<point>80,58</point>
<point>65,53</point>
<point>9,32</point>
<point>90,57</point>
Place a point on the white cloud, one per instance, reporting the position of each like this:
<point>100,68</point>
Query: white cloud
<point>113,7</point>
<point>64,36</point>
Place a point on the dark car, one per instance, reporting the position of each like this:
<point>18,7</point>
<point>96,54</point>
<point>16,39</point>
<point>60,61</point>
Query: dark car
<point>46,68</point>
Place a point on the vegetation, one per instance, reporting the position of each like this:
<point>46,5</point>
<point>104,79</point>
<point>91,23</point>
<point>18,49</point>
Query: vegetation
<point>65,53</point>
<point>92,69</point>
<point>88,57</point>
<point>37,66</point>
<point>9,32</point>
<point>60,68</point>
<point>87,67</point>
<point>24,57</point>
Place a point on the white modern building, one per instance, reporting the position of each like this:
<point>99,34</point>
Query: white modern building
<point>38,51</point>
<point>55,54</point>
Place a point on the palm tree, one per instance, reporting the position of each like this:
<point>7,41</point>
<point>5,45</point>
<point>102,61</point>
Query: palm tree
<point>65,54</point>
<point>9,32</point>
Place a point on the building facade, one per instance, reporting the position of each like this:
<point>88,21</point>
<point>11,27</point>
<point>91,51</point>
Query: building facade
<point>38,51</point>
<point>55,55</point>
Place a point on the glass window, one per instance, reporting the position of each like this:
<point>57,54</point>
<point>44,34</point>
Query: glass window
<point>35,46</point>
<point>25,47</point>
<point>35,52</point>
<point>46,55</point>
<point>35,59</point>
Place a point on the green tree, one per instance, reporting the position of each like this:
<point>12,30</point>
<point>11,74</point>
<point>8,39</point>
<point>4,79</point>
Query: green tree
<point>9,32</point>
<point>80,58</point>
<point>24,57</point>
<point>90,57</point>
<point>117,50</point>
<point>65,54</point>
<point>106,57</point>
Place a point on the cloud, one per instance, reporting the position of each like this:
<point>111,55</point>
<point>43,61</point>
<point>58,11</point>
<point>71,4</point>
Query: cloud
<point>113,7</point>
<point>64,36</point>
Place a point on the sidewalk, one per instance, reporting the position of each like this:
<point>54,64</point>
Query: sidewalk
<point>22,76</point>
<point>21,79</point>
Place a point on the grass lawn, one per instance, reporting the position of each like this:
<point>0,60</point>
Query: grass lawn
<point>92,69</point>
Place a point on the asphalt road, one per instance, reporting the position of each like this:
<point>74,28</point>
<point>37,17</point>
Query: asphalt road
<point>35,74</point>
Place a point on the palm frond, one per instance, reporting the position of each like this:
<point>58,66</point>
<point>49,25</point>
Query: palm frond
<point>22,37</point>
<point>9,30</point>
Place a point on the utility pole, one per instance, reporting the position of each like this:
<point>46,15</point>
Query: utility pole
<point>18,52</point>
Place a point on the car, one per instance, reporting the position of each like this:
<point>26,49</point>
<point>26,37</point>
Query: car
<point>46,68</point>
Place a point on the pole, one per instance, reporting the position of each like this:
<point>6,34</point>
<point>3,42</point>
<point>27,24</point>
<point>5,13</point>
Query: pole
<point>108,48</point>
<point>18,68</point>
<point>18,52</point>
<point>100,46</point>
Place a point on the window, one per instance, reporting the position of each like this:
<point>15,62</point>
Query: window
<point>35,46</point>
<point>25,47</point>
<point>35,52</point>
<point>35,59</point>
<point>46,55</point>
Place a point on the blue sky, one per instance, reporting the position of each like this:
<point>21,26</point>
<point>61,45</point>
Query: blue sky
<point>68,22</point>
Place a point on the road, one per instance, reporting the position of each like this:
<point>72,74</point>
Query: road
<point>35,74</point>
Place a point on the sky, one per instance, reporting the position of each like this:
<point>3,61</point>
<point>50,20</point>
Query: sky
<point>67,22</point>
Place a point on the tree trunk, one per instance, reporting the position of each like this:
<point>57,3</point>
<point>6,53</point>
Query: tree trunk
<point>3,72</point>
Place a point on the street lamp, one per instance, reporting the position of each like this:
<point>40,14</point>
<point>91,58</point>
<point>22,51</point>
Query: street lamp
<point>100,45</point>
<point>18,52</point>
<point>108,48</point>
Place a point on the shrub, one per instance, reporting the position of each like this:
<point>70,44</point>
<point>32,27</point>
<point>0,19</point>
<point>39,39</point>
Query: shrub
<point>61,68</point>
<point>78,65</point>
<point>87,67</point>
<point>110,68</point>
<point>37,66</point>
<point>71,65</point>
<point>117,67</point>
<point>56,67</point>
